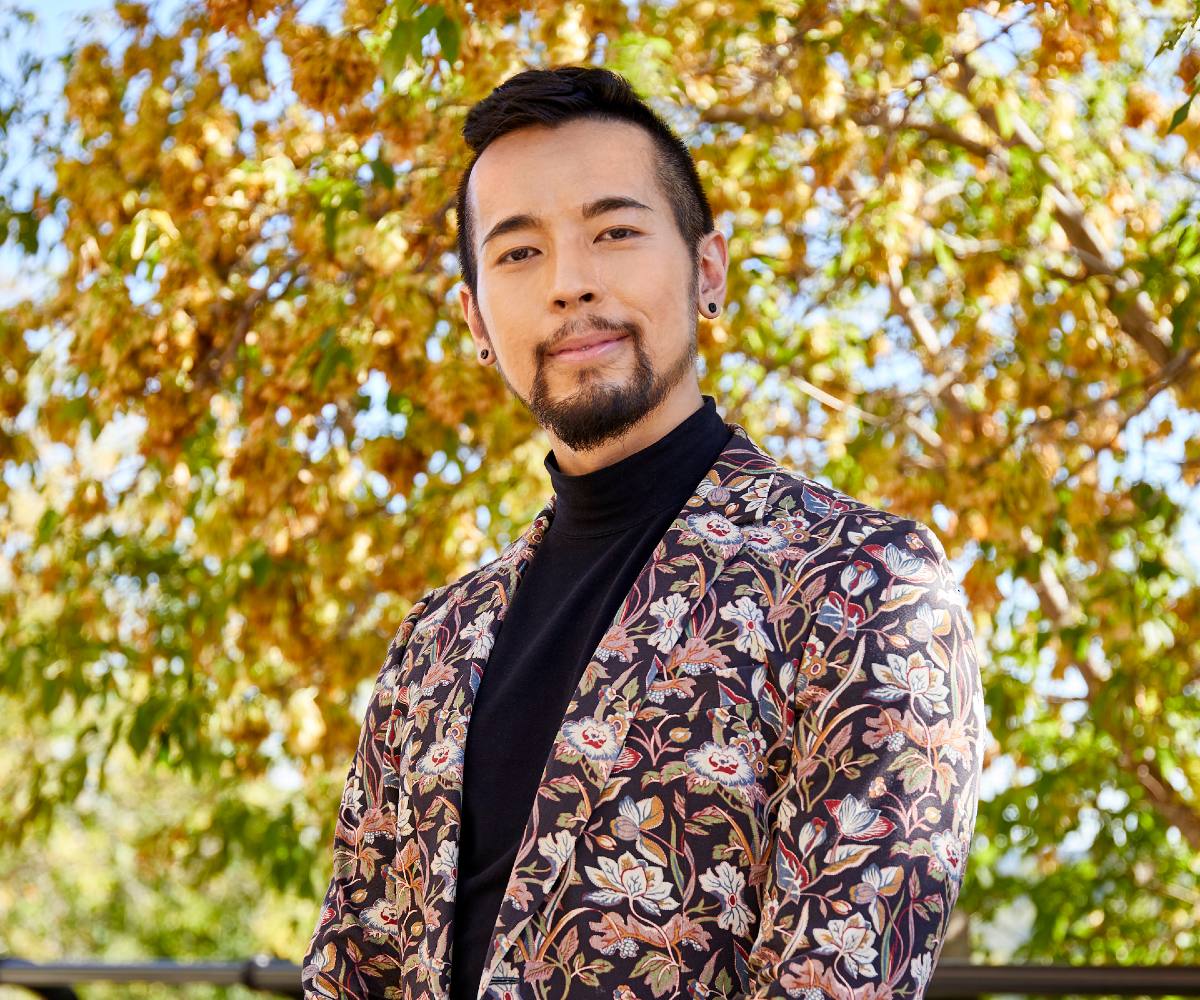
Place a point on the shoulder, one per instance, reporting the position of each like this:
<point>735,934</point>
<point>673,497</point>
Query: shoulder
<point>434,605</point>
<point>428,611</point>
<point>838,528</point>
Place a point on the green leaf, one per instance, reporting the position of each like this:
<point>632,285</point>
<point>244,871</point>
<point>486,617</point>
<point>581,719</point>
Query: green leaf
<point>944,256</point>
<point>333,355</point>
<point>449,36</point>
<point>427,21</point>
<point>46,525</point>
<point>1181,114</point>
<point>1171,37</point>
<point>383,173</point>
<point>740,159</point>
<point>1004,119</point>
<point>27,231</point>
<point>1188,242</point>
<point>331,215</point>
<point>260,566</point>
<point>395,54</point>
<point>144,718</point>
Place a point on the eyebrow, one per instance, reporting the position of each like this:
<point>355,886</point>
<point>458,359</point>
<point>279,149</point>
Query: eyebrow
<point>593,208</point>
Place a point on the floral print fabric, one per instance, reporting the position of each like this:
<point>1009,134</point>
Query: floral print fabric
<point>765,784</point>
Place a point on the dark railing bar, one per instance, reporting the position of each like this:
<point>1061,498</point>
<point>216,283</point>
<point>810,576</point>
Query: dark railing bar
<point>952,978</point>
<point>259,973</point>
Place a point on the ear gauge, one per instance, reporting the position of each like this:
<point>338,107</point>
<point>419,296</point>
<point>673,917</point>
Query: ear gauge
<point>712,307</point>
<point>483,354</point>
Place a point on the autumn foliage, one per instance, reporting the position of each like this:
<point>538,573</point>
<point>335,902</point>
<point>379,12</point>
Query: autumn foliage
<point>242,431</point>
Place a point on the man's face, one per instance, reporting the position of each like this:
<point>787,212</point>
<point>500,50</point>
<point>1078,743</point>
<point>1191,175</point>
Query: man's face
<point>577,268</point>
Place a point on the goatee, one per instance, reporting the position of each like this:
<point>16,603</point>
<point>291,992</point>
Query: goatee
<point>599,410</point>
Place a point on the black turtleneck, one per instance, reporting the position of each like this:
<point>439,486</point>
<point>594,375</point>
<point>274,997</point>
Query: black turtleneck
<point>605,525</point>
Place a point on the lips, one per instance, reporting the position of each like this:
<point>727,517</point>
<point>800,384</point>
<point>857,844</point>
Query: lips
<point>591,340</point>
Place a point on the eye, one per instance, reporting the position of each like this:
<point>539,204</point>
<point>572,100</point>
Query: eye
<point>508,258</point>
<point>505,258</point>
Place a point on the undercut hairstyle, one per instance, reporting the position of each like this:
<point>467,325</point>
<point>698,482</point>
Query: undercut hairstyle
<point>555,96</point>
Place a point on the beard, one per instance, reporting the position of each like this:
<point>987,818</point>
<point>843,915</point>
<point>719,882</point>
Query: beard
<point>601,410</point>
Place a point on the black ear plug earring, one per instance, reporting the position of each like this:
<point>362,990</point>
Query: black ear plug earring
<point>483,354</point>
<point>712,307</point>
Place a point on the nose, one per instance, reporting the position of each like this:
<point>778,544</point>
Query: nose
<point>575,281</point>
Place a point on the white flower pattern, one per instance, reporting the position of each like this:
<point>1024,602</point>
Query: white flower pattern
<point>726,883</point>
<point>669,611</point>
<point>752,638</point>
<point>632,880</point>
<point>912,677</point>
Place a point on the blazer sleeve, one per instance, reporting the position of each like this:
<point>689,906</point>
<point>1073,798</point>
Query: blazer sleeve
<point>871,839</point>
<point>352,954</point>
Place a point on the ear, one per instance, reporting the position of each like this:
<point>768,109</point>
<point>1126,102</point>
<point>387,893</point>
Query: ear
<point>475,324</point>
<point>713,264</point>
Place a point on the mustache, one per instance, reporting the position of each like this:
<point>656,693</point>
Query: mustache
<point>590,323</point>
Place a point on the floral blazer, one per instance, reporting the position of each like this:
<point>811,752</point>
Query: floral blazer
<point>765,784</point>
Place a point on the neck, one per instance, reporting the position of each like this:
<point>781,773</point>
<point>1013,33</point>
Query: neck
<point>657,479</point>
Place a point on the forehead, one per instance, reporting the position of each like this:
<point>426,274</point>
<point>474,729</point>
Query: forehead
<point>552,171</point>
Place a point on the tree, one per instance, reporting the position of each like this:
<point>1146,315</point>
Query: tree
<point>242,431</point>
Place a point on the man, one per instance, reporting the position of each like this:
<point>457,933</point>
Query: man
<point>727,742</point>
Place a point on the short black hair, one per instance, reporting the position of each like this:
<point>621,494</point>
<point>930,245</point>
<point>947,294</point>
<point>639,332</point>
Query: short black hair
<point>563,93</point>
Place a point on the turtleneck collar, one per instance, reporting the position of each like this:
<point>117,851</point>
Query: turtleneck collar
<point>660,477</point>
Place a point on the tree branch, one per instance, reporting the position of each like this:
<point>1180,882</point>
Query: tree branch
<point>1060,609</point>
<point>211,369</point>
<point>1086,241</point>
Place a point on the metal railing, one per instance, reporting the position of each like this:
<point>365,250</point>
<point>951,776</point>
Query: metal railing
<point>53,980</point>
<point>951,978</point>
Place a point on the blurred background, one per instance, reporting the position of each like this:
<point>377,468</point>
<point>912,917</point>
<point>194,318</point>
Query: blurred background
<point>241,429</point>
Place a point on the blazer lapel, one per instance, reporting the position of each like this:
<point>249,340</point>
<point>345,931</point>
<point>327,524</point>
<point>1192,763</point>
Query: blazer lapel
<point>458,644</point>
<point>589,745</point>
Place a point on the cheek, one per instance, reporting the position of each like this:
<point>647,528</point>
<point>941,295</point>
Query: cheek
<point>519,363</point>
<point>645,278</point>
<point>654,285</point>
<point>505,323</point>
<point>667,327</point>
